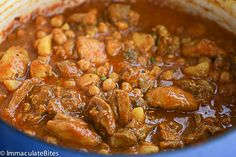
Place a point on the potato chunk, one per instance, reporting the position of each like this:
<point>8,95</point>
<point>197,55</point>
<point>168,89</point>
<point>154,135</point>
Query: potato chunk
<point>91,50</point>
<point>148,148</point>
<point>44,46</point>
<point>12,85</point>
<point>143,42</point>
<point>199,70</point>
<point>73,130</point>
<point>14,63</point>
<point>171,98</point>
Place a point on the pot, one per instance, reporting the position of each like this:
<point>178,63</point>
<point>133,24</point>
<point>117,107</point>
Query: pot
<point>16,12</point>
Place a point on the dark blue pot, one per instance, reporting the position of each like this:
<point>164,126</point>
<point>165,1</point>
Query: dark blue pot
<point>12,140</point>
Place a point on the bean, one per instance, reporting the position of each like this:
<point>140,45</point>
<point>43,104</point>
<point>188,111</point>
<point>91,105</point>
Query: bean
<point>126,86</point>
<point>41,34</point>
<point>108,85</point>
<point>225,77</point>
<point>168,75</point>
<point>59,37</point>
<point>40,21</point>
<point>57,21</point>
<point>102,71</point>
<point>93,90</point>
<point>84,65</point>
<point>114,76</point>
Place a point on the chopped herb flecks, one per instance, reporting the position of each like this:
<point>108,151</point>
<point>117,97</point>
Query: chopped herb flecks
<point>131,55</point>
<point>153,60</point>
<point>103,78</point>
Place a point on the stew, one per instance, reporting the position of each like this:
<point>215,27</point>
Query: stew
<point>131,77</point>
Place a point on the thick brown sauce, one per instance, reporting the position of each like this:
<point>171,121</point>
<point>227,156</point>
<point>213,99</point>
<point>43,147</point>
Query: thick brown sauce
<point>151,15</point>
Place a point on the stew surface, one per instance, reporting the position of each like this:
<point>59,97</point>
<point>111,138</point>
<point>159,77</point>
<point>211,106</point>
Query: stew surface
<point>128,77</point>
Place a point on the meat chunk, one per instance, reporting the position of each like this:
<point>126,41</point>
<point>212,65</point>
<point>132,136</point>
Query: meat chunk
<point>203,129</point>
<point>40,68</point>
<point>3,95</point>
<point>67,68</point>
<point>87,79</point>
<point>55,99</point>
<point>227,90</point>
<point>143,42</point>
<point>138,77</point>
<point>73,130</point>
<point>200,48</point>
<point>123,138</point>
<point>53,107</point>
<point>166,43</point>
<point>91,50</point>
<point>70,99</point>
<point>169,131</point>
<point>102,115</point>
<point>146,81</point>
<point>202,132</point>
<point>171,98</point>
<point>120,104</point>
<point>122,13</point>
<point>141,130</point>
<point>89,18</point>
<point>41,94</point>
<point>13,64</point>
<point>20,94</point>
<point>170,135</point>
<point>113,47</point>
<point>202,90</point>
